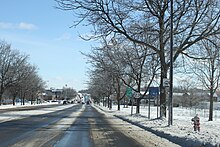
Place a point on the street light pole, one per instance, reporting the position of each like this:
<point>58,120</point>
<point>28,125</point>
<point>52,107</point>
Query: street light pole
<point>170,119</point>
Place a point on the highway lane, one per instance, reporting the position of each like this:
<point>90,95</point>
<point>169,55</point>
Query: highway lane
<point>76,126</point>
<point>93,129</point>
<point>37,129</point>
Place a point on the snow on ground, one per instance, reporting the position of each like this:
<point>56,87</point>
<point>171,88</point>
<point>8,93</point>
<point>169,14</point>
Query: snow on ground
<point>13,115</point>
<point>18,104</point>
<point>182,128</point>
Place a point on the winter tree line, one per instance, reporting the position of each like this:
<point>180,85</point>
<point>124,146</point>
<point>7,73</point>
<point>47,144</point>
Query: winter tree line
<point>18,77</point>
<point>134,49</point>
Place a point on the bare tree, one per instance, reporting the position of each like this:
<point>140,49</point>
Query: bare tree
<point>37,85</point>
<point>17,75</point>
<point>11,65</point>
<point>208,70</point>
<point>69,93</point>
<point>128,64</point>
<point>193,21</point>
<point>139,66</point>
<point>22,72</point>
<point>100,85</point>
<point>105,71</point>
<point>186,86</point>
<point>30,85</point>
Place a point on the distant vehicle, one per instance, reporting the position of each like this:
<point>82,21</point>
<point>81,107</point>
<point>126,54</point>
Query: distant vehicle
<point>65,102</point>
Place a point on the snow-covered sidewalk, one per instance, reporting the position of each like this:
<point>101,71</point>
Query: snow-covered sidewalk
<point>181,132</point>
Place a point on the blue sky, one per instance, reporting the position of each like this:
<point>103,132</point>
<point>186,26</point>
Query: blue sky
<point>39,30</point>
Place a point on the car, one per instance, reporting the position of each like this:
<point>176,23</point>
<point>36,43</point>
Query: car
<point>65,102</point>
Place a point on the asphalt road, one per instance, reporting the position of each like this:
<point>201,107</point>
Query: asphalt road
<point>76,126</point>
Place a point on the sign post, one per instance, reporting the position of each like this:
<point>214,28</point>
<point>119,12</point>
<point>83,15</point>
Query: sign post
<point>153,92</point>
<point>129,95</point>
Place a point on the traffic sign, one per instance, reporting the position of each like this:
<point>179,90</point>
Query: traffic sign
<point>129,92</point>
<point>166,82</point>
<point>154,91</point>
<point>137,95</point>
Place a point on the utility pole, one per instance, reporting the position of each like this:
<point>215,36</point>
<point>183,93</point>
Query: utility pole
<point>170,119</point>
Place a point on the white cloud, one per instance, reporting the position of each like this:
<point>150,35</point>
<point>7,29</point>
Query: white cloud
<point>22,26</point>
<point>27,26</point>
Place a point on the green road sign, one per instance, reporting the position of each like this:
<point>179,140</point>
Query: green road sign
<point>129,92</point>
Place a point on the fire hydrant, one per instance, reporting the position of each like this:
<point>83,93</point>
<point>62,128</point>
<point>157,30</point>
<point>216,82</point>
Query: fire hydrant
<point>196,123</point>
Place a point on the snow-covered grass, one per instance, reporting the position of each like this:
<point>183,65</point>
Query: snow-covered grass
<point>13,115</point>
<point>26,104</point>
<point>182,127</point>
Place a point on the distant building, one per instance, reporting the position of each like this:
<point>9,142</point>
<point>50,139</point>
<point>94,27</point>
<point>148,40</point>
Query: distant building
<point>52,94</point>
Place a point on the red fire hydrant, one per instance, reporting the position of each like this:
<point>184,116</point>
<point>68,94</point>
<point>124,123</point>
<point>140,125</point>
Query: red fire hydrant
<point>196,122</point>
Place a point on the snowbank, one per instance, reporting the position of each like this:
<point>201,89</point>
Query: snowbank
<point>181,132</point>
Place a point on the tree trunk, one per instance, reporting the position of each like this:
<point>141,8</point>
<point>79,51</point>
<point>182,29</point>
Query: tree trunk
<point>108,102</point>
<point>211,92</point>
<point>211,106</point>
<point>118,100</point>
<point>14,97</point>
<point>110,107</point>
<point>32,99</point>
<point>138,105</point>
<point>1,93</point>
<point>103,101</point>
<point>23,100</point>
<point>0,99</point>
<point>163,94</point>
